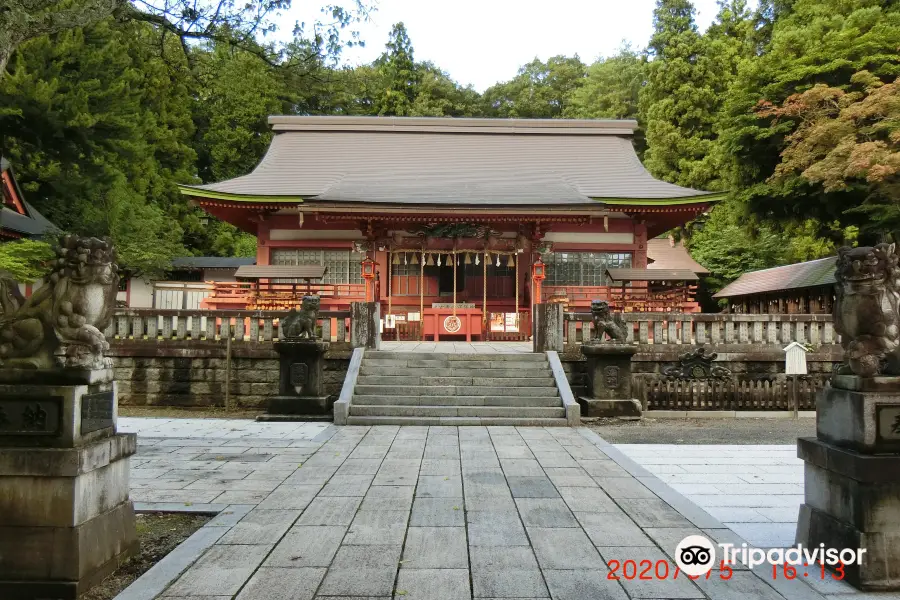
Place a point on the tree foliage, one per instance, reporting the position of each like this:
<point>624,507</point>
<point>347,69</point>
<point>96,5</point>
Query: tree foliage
<point>812,42</point>
<point>541,90</point>
<point>25,260</point>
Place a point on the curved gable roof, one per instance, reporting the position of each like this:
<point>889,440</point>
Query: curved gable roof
<point>481,162</point>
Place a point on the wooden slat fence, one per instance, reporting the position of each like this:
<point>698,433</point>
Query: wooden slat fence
<point>744,392</point>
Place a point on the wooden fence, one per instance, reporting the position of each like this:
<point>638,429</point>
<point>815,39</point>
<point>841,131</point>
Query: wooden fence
<point>154,325</point>
<point>741,391</point>
<point>712,328</point>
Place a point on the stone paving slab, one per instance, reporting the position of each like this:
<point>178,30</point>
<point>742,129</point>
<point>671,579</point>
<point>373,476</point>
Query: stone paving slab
<point>431,512</point>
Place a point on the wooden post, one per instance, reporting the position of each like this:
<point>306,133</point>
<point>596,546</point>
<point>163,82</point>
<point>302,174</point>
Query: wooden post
<point>228,373</point>
<point>795,393</point>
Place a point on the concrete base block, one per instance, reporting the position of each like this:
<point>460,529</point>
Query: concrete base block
<point>66,521</point>
<point>625,409</point>
<point>58,414</point>
<point>300,405</point>
<point>862,415</point>
<point>852,500</point>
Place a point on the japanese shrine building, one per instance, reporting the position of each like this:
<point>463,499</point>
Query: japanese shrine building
<point>453,212</point>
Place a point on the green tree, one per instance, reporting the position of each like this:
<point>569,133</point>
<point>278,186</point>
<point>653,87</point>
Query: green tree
<point>25,260</point>
<point>813,42</point>
<point>611,90</point>
<point>399,75</point>
<point>99,130</point>
<point>729,245</point>
<point>539,91</point>
<point>238,23</point>
<point>439,96</point>
<point>686,82</point>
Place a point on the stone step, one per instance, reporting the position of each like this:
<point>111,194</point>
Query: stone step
<point>457,421</point>
<point>449,390</point>
<point>523,380</point>
<point>385,371</point>
<point>396,410</point>
<point>448,356</point>
<point>463,364</point>
<point>459,400</point>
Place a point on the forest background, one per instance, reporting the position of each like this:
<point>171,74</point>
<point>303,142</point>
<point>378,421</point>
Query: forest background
<point>792,107</point>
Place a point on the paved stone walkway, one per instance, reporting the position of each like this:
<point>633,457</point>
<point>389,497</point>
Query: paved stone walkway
<point>755,490</point>
<point>439,513</point>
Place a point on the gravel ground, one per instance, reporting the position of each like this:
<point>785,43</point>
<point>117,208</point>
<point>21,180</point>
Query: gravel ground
<point>158,535</point>
<point>704,431</point>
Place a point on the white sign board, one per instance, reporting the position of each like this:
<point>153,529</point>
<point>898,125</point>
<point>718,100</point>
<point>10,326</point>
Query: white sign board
<point>795,359</point>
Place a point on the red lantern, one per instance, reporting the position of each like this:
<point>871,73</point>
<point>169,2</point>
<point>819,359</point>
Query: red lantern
<point>538,271</point>
<point>538,274</point>
<point>368,273</point>
<point>368,268</point>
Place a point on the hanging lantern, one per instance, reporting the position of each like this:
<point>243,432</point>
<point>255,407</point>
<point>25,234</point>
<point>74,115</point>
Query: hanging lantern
<point>404,258</point>
<point>468,260</point>
<point>430,261</point>
<point>511,261</point>
<point>368,268</point>
<point>458,259</point>
<point>396,258</point>
<point>538,271</point>
<point>477,259</point>
<point>415,259</point>
<point>498,260</point>
<point>439,260</point>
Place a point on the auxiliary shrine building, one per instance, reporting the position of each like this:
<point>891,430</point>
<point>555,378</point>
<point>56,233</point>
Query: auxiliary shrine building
<point>473,219</point>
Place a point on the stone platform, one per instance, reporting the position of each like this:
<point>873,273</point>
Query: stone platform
<point>435,513</point>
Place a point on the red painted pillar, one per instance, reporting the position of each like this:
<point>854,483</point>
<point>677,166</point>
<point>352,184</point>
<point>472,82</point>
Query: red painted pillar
<point>639,261</point>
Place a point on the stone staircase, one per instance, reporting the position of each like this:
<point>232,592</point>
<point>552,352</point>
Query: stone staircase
<point>404,388</point>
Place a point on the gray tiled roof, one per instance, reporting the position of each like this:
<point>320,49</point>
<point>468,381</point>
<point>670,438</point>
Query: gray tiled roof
<point>801,275</point>
<point>211,262</point>
<point>33,224</point>
<point>664,255</point>
<point>451,161</point>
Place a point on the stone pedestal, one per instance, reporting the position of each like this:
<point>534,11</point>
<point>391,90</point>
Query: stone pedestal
<point>66,521</point>
<point>609,381</point>
<point>301,386</point>
<point>852,477</point>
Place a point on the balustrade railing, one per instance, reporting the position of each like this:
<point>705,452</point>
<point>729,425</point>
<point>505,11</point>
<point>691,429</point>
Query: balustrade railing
<point>155,325</point>
<point>712,328</point>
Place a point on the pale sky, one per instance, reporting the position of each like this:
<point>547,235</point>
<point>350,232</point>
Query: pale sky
<point>485,41</point>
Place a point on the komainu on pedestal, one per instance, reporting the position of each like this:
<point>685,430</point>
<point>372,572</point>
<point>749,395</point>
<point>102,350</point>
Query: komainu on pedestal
<point>66,520</point>
<point>608,366</point>
<point>301,365</point>
<point>852,470</point>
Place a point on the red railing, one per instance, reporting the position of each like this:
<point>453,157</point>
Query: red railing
<point>277,296</point>
<point>630,299</point>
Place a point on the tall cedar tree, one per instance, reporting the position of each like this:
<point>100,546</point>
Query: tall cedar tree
<point>400,75</point>
<point>685,84</point>
<point>99,130</point>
